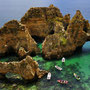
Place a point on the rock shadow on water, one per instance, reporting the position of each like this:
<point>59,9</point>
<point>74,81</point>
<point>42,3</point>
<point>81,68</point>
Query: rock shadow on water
<point>38,39</point>
<point>80,51</point>
<point>66,74</point>
<point>15,82</point>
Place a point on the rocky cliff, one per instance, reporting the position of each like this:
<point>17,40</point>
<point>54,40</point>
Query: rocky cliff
<point>14,37</point>
<point>38,20</point>
<point>27,68</point>
<point>62,34</point>
<point>68,36</point>
<point>77,29</point>
<point>57,46</point>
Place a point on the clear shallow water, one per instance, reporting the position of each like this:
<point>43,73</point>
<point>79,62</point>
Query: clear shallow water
<point>78,63</point>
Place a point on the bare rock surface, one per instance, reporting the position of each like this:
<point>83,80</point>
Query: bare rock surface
<point>37,20</point>
<point>27,68</point>
<point>62,34</point>
<point>14,36</point>
<point>77,29</point>
<point>65,42</point>
<point>88,33</point>
<point>57,46</point>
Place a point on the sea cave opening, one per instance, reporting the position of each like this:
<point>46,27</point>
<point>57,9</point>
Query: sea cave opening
<point>9,55</point>
<point>38,39</point>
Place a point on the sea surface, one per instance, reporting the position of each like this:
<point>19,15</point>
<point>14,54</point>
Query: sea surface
<point>78,63</point>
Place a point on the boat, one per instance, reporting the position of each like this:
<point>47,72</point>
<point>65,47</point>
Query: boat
<point>76,76</point>
<point>57,67</point>
<point>63,59</point>
<point>49,76</point>
<point>62,81</point>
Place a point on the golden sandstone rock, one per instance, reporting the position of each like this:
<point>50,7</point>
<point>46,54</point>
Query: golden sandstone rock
<point>37,20</point>
<point>27,68</point>
<point>68,36</point>
<point>13,36</point>
<point>62,37</point>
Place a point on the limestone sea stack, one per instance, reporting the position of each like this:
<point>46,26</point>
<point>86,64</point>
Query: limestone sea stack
<point>27,68</point>
<point>62,34</point>
<point>68,36</point>
<point>15,37</point>
<point>77,29</point>
<point>38,20</point>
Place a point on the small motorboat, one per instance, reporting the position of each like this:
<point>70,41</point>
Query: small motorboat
<point>57,67</point>
<point>63,59</point>
<point>76,76</point>
<point>62,81</point>
<point>49,76</point>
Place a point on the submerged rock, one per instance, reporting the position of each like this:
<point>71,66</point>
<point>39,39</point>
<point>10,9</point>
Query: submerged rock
<point>27,68</point>
<point>37,20</point>
<point>14,37</point>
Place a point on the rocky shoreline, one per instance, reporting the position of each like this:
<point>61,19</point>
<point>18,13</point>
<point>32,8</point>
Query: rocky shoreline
<point>26,68</point>
<point>61,37</point>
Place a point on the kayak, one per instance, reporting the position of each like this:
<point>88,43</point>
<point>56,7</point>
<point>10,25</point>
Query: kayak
<point>59,68</point>
<point>76,76</point>
<point>62,81</point>
<point>49,76</point>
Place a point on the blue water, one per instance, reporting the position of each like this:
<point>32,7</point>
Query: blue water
<point>15,9</point>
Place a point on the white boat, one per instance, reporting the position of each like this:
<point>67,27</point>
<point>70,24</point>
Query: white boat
<point>49,76</point>
<point>59,68</point>
<point>63,59</point>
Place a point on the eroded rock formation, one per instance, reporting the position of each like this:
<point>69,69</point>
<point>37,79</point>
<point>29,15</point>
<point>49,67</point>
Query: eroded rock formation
<point>27,68</point>
<point>65,42</point>
<point>38,20</point>
<point>62,35</point>
<point>77,27</point>
<point>14,35</point>
<point>56,46</point>
<point>88,33</point>
<point>66,20</point>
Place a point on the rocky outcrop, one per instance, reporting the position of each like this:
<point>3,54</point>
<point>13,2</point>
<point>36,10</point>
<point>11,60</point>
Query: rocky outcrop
<point>62,35</point>
<point>22,52</point>
<point>58,26</point>
<point>27,68</point>
<point>88,36</point>
<point>88,33</point>
<point>57,46</point>
<point>79,18</point>
<point>38,20</point>
<point>77,28</point>
<point>65,42</point>
<point>66,20</point>
<point>15,37</point>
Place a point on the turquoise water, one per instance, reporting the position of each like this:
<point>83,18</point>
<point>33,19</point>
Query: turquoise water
<point>78,63</point>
